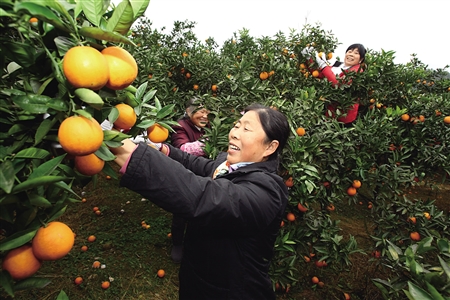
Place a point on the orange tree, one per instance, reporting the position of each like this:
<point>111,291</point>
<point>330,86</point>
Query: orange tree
<point>40,90</point>
<point>383,152</point>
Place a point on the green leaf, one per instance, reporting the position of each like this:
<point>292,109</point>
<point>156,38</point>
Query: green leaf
<point>39,201</point>
<point>34,153</point>
<point>7,176</point>
<point>36,182</point>
<point>417,292</point>
<point>165,111</point>
<point>56,213</point>
<point>122,18</point>
<point>434,293</point>
<point>445,266</point>
<point>21,53</point>
<point>443,245</point>
<point>43,129</point>
<point>104,153</point>
<point>62,296</point>
<point>47,168</point>
<point>93,10</point>
<point>35,104</point>
<point>139,7</point>
<point>105,35</point>
<point>32,283</point>
<point>42,13</point>
<point>17,239</point>
<point>6,283</point>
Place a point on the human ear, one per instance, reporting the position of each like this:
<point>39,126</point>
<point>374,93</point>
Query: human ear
<point>271,148</point>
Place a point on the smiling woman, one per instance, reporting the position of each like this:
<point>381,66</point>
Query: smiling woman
<point>234,204</point>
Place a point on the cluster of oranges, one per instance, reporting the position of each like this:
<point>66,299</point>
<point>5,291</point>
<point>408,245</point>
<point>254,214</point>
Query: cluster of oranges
<point>87,68</point>
<point>51,242</point>
<point>352,190</point>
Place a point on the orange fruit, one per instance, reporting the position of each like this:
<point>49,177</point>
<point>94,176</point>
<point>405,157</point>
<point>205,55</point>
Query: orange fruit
<point>427,215</point>
<point>356,184</point>
<point>89,165</point>
<point>329,55</point>
<point>21,262</point>
<point>289,182</point>
<point>105,284</point>
<point>263,75</point>
<point>214,88</point>
<point>315,73</point>
<point>306,258</point>
<point>415,236</point>
<point>300,131</point>
<point>95,208</point>
<point>351,191</point>
<point>195,87</point>
<point>320,284</point>
<point>78,280</point>
<point>33,20</point>
<point>302,66</point>
<point>161,273</point>
<point>315,280</point>
<point>347,296</point>
<point>157,133</point>
<point>331,207</point>
<point>291,217</point>
<point>447,120</point>
<point>98,212</point>
<point>85,67</point>
<point>91,238</point>
<point>412,220</point>
<point>422,118</point>
<point>405,117</point>
<point>53,241</point>
<point>96,264</point>
<point>80,136</point>
<point>301,207</point>
<point>123,68</point>
<point>84,248</point>
<point>127,116</point>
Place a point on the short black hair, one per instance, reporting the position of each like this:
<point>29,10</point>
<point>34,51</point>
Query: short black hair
<point>361,50</point>
<point>274,124</point>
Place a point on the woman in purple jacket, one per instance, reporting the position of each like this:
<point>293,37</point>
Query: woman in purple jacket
<point>186,137</point>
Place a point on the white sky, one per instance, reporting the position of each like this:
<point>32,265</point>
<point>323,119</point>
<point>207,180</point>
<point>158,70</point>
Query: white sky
<point>404,26</point>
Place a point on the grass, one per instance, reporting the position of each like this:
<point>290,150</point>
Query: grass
<point>132,255</point>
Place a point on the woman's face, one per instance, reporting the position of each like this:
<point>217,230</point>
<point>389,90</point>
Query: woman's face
<point>200,117</point>
<point>247,141</point>
<point>352,57</point>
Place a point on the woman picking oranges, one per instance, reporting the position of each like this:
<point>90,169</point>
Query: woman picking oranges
<point>186,137</point>
<point>354,57</point>
<point>234,204</point>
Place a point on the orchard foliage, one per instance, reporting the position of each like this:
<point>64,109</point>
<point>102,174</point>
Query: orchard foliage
<point>385,153</point>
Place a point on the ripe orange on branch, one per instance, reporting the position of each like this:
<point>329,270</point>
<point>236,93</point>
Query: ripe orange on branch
<point>157,133</point>
<point>127,116</point>
<point>21,262</point>
<point>89,165</point>
<point>80,136</point>
<point>300,131</point>
<point>85,67</point>
<point>122,67</point>
<point>53,241</point>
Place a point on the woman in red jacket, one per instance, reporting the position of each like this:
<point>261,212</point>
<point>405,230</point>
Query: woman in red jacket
<point>186,137</point>
<point>354,57</point>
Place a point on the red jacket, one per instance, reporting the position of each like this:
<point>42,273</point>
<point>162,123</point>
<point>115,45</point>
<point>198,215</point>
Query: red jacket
<point>352,111</point>
<point>186,133</point>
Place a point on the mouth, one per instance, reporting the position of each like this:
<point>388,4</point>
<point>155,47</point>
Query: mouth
<point>234,147</point>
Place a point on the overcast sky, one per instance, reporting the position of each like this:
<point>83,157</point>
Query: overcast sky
<point>406,27</point>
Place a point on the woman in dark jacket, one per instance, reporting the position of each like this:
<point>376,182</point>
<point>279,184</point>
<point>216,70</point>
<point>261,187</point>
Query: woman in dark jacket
<point>186,137</point>
<point>234,204</point>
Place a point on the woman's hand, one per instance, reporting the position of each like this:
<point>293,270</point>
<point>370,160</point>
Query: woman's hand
<point>123,153</point>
